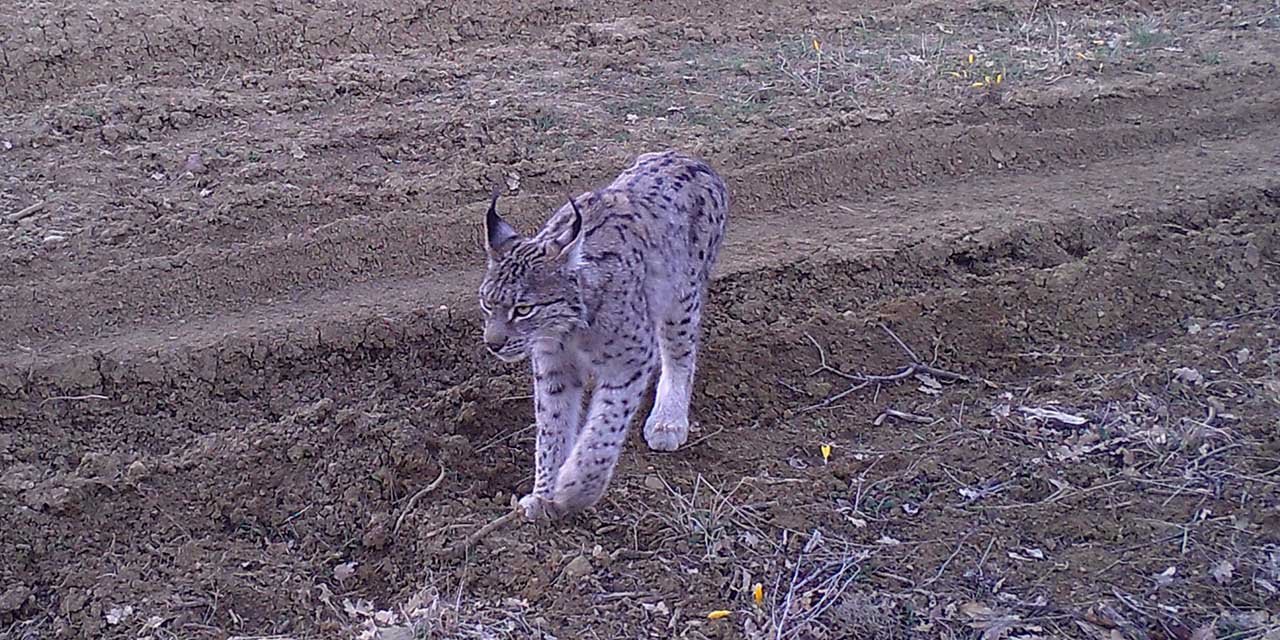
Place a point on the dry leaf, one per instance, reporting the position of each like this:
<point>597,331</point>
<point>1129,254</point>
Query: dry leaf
<point>1188,375</point>
<point>344,571</point>
<point>1203,633</point>
<point>1031,554</point>
<point>1053,414</point>
<point>361,608</point>
<point>976,610</point>
<point>117,614</point>
<point>1098,633</point>
<point>1222,572</point>
<point>992,625</point>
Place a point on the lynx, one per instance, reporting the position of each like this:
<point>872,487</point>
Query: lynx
<point>607,292</point>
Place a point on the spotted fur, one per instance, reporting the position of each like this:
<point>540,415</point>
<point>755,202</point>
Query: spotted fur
<point>609,291</point>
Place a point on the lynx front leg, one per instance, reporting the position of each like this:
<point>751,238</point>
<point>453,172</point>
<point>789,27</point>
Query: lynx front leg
<point>667,427</point>
<point>614,402</point>
<point>557,401</point>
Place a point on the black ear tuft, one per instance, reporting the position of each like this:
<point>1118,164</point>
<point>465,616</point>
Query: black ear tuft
<point>577,219</point>
<point>497,231</point>
<point>564,244</point>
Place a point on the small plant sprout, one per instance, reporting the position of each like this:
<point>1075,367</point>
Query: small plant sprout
<point>989,80</point>
<point>817,47</point>
<point>963,72</point>
<point>968,70</point>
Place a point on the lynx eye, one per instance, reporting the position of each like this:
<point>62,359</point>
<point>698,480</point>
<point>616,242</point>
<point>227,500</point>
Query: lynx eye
<point>521,311</point>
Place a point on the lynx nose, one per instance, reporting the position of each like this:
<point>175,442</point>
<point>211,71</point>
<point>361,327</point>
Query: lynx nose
<point>495,343</point>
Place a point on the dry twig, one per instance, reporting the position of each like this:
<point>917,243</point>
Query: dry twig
<point>87,396</point>
<point>25,212</point>
<point>414,499</point>
<point>461,548</point>
<point>861,380</point>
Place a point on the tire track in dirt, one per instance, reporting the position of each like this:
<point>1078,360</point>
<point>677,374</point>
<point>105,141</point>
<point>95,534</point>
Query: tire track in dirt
<point>835,228</point>
<point>298,197</point>
<point>362,250</point>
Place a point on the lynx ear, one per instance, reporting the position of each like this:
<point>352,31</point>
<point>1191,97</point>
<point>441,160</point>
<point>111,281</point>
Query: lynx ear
<point>497,231</point>
<point>566,243</point>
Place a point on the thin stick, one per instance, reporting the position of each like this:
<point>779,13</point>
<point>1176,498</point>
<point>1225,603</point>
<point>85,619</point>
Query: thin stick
<point>707,437</point>
<point>910,354</point>
<point>25,213</point>
<point>88,396</point>
<point>461,548</point>
<point>497,440</point>
<point>909,417</point>
<point>414,499</point>
<point>943,568</point>
<point>834,398</point>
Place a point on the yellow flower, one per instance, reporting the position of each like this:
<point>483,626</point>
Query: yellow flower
<point>817,47</point>
<point>971,58</point>
<point>757,593</point>
<point>826,452</point>
<point>717,614</point>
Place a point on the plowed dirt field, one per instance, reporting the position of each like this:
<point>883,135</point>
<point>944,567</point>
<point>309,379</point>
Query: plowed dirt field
<point>238,336</point>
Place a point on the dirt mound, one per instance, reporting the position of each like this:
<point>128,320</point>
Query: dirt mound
<point>240,341</point>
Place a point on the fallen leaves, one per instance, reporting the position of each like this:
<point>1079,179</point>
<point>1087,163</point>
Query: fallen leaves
<point>993,624</point>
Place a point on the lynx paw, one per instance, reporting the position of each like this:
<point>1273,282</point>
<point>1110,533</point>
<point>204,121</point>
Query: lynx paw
<point>538,508</point>
<point>665,434</point>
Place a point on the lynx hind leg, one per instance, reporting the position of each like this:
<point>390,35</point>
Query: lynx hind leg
<point>667,427</point>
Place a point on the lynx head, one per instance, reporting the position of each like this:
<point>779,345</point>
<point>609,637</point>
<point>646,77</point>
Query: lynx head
<point>530,290</point>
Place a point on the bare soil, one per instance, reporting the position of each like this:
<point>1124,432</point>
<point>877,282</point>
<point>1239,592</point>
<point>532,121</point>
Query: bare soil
<point>237,328</point>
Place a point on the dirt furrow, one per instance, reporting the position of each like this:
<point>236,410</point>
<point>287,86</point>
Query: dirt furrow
<point>201,281</point>
<point>963,218</point>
